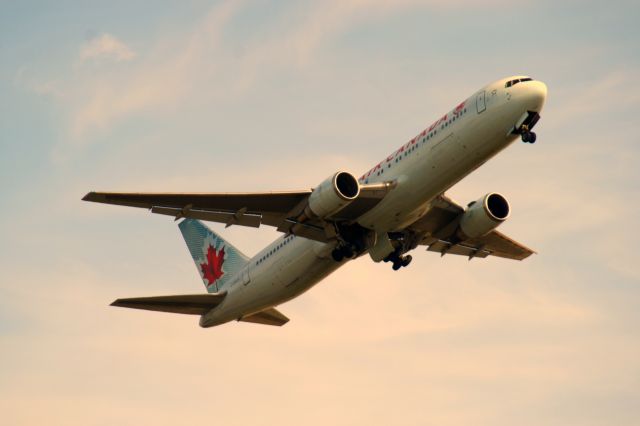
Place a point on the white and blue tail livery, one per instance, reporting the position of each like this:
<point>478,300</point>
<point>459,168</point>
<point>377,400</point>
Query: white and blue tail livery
<point>216,259</point>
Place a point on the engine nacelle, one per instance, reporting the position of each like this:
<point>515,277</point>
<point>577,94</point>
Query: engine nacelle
<point>332,195</point>
<point>483,216</point>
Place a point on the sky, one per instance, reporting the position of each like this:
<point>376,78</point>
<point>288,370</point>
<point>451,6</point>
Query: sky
<point>277,95</point>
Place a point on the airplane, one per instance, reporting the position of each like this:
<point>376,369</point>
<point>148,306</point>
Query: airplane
<point>396,206</point>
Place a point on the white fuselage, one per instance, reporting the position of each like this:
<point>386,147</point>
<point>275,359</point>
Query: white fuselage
<point>423,168</point>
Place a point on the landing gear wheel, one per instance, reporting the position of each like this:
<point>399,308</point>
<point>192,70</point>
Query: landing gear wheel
<point>406,260</point>
<point>532,137</point>
<point>347,252</point>
<point>337,255</point>
<point>528,137</point>
<point>396,266</point>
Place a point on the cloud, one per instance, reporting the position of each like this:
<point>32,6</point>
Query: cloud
<point>201,64</point>
<point>168,72</point>
<point>41,88</point>
<point>598,96</point>
<point>436,334</point>
<point>106,47</point>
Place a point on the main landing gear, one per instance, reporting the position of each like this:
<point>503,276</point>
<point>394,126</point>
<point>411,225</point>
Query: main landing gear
<point>342,252</point>
<point>398,260</point>
<point>354,241</point>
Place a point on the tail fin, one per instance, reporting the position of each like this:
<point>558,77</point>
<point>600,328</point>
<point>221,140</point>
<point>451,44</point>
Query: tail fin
<point>216,259</point>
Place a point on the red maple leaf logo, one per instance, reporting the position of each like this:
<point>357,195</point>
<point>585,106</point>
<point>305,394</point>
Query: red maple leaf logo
<point>212,268</point>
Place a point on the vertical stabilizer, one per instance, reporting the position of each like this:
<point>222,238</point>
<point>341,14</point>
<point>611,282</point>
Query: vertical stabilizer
<point>216,259</point>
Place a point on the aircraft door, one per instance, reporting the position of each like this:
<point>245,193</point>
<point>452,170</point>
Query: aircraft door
<point>245,275</point>
<point>481,104</point>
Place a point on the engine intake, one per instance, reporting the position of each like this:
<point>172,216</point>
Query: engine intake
<point>483,216</point>
<point>332,195</point>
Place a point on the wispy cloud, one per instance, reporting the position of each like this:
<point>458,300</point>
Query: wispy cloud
<point>609,92</point>
<point>158,81</point>
<point>202,64</point>
<point>46,88</point>
<point>106,47</point>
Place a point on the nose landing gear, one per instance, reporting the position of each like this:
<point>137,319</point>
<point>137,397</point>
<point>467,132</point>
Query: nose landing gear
<point>525,124</point>
<point>528,136</point>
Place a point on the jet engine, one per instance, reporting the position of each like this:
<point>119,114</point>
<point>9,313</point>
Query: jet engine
<point>483,216</point>
<point>332,195</point>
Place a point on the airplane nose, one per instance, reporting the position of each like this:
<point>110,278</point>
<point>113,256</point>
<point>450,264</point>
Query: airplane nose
<point>537,94</point>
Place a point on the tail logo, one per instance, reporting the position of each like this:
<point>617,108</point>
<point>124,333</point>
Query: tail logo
<point>212,266</point>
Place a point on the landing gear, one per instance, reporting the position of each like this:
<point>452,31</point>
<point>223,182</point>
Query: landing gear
<point>404,242</point>
<point>524,126</point>
<point>528,137</point>
<point>342,252</point>
<point>337,255</point>
<point>352,241</point>
<point>398,261</point>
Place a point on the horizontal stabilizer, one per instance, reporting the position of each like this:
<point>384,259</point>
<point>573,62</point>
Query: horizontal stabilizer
<point>269,316</point>
<point>191,304</point>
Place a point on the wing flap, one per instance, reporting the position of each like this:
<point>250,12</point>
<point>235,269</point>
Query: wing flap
<point>444,247</point>
<point>493,244</point>
<point>502,246</point>
<point>251,220</point>
<point>269,316</point>
<point>190,304</point>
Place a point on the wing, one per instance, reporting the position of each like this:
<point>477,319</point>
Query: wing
<point>438,226</point>
<point>278,209</point>
<point>248,209</point>
<point>191,304</point>
<point>269,316</point>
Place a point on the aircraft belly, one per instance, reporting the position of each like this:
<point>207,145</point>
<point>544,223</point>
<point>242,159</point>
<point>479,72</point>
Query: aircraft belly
<point>296,271</point>
<point>447,162</point>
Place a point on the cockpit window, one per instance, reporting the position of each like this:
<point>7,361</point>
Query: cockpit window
<point>516,81</point>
